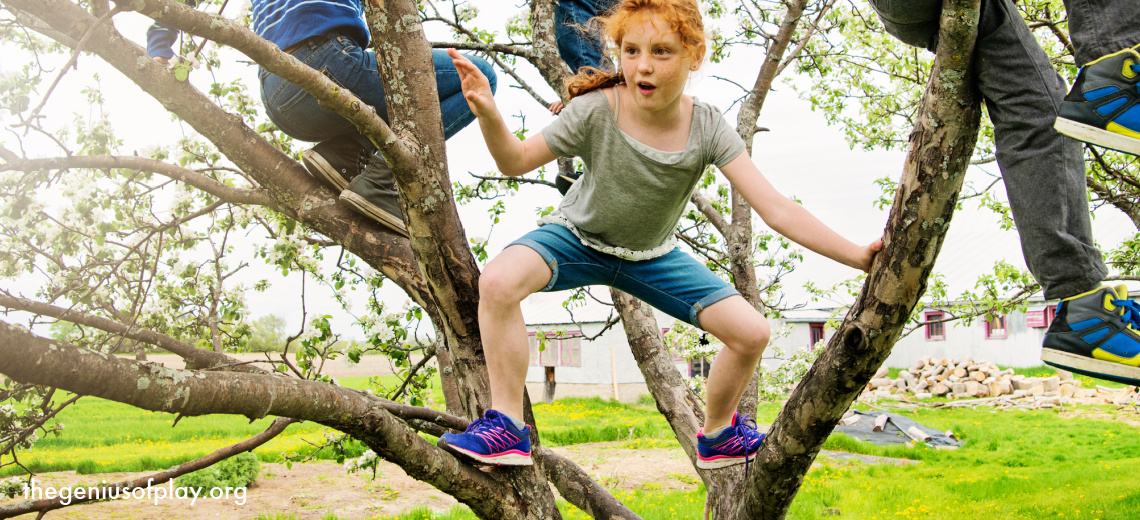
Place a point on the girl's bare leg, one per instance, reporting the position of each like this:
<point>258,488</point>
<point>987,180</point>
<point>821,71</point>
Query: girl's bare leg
<point>744,332</point>
<point>510,277</point>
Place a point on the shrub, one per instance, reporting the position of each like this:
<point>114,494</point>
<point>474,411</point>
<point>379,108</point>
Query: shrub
<point>239,471</point>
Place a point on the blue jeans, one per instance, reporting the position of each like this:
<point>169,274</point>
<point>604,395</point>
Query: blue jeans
<point>674,282</point>
<point>579,43</point>
<point>1043,171</point>
<point>298,115</point>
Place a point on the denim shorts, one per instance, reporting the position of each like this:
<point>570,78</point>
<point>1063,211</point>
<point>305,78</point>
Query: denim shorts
<point>675,282</point>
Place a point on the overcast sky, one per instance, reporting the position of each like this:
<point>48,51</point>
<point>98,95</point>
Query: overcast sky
<point>800,155</point>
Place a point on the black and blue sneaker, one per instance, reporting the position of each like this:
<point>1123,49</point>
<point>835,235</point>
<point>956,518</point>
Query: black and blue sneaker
<point>736,444</point>
<point>1103,108</point>
<point>1096,334</point>
<point>493,439</point>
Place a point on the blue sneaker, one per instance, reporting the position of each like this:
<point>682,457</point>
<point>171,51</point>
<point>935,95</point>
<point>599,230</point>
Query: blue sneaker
<point>492,439</point>
<point>737,444</point>
<point>1095,334</point>
<point>1104,106</point>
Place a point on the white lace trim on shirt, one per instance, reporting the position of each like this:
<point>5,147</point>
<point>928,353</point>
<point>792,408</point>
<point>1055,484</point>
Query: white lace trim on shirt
<point>620,252</point>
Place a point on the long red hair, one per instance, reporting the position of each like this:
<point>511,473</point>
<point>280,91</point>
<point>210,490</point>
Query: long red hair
<point>682,16</point>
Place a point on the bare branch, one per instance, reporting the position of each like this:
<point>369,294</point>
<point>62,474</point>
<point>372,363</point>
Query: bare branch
<point>195,357</point>
<point>715,218</point>
<point>226,193</point>
<point>513,50</point>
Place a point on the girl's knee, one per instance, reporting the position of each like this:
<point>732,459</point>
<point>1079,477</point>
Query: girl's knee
<point>752,336</point>
<point>499,286</point>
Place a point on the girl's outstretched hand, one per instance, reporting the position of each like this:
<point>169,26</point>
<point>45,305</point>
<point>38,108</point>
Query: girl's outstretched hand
<point>868,255</point>
<point>476,87</point>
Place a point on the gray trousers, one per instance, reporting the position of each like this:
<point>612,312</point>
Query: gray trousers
<point>1044,172</point>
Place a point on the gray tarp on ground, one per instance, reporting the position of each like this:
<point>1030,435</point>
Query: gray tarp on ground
<point>893,432</point>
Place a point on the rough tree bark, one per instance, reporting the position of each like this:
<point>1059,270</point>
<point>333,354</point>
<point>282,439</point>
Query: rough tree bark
<point>941,145</point>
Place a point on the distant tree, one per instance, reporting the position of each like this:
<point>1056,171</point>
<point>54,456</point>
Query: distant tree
<point>268,334</point>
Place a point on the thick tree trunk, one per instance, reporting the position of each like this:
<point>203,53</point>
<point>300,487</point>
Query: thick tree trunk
<point>437,235</point>
<point>680,405</point>
<point>941,145</point>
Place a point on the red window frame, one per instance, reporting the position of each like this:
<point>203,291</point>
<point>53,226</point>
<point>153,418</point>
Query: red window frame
<point>564,350</point>
<point>993,332</point>
<point>816,333</point>
<point>935,331</point>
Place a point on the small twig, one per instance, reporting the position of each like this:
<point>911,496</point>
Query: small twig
<point>71,63</point>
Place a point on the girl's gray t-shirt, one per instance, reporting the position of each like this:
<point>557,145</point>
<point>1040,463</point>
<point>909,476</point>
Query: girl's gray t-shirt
<point>631,196</point>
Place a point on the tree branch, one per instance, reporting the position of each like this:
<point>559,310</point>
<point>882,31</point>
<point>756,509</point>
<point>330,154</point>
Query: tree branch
<point>195,357</point>
<point>715,218</point>
<point>221,191</point>
<point>27,358</point>
<point>501,48</point>
<point>941,146</point>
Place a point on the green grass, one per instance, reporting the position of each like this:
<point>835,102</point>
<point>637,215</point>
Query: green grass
<point>580,420</point>
<point>1014,465</point>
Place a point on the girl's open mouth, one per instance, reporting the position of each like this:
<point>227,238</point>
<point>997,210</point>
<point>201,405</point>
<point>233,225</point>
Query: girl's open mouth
<point>646,88</point>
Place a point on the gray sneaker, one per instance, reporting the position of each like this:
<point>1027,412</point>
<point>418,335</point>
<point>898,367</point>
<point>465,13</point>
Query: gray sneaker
<point>373,194</point>
<point>337,161</point>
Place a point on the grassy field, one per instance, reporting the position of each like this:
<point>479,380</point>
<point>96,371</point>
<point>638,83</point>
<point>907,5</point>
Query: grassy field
<point>1015,465</point>
<point>1077,464</point>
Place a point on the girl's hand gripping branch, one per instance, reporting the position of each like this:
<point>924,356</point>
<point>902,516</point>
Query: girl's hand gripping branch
<point>512,156</point>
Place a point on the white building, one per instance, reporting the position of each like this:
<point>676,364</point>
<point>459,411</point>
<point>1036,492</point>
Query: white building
<point>603,366</point>
<point>1013,340</point>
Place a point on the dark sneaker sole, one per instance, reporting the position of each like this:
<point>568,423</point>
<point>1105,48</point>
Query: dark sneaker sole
<point>321,169</point>
<point>1091,367</point>
<point>1097,136</point>
<point>510,459</point>
<point>361,205</point>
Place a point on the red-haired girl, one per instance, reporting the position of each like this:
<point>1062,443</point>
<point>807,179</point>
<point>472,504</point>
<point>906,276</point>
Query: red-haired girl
<point>645,145</point>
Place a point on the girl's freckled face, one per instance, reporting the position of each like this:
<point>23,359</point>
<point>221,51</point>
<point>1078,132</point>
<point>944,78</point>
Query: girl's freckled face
<point>655,65</point>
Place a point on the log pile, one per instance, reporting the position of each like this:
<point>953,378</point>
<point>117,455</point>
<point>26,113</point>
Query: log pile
<point>969,379</point>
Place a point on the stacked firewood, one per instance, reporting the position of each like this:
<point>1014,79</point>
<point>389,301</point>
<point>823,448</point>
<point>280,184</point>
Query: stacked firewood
<point>968,379</point>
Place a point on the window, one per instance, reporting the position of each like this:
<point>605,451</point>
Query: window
<point>816,334</point>
<point>995,327</point>
<point>699,367</point>
<point>935,329</point>
<point>1050,314</point>
<point>561,350</point>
